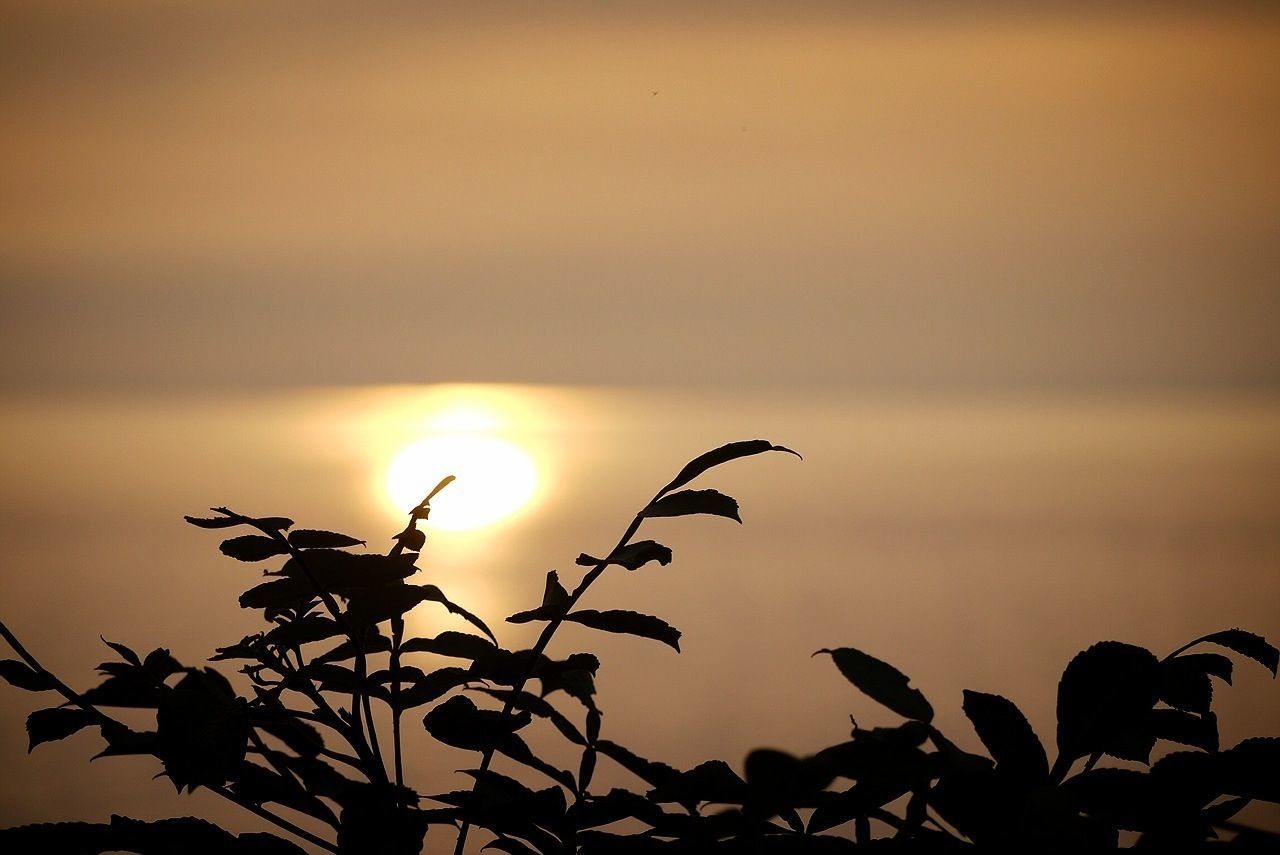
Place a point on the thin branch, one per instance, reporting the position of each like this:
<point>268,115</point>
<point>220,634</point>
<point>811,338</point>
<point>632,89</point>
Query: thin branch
<point>544,639</point>
<point>104,719</point>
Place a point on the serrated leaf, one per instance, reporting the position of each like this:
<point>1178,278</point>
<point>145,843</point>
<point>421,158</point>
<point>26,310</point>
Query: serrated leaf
<point>310,538</point>
<point>1213,664</point>
<point>261,523</point>
<point>1105,699</point>
<point>252,547</point>
<point>54,724</point>
<point>633,556</point>
<point>723,454</point>
<point>431,686</point>
<point>22,676</point>
<point>125,653</point>
<point>1008,737</point>
<point>881,682</point>
<point>1199,731</point>
<point>458,645</point>
<point>628,623</point>
<point>688,502</point>
<point>1247,644</point>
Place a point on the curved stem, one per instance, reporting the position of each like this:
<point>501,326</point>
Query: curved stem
<point>540,647</point>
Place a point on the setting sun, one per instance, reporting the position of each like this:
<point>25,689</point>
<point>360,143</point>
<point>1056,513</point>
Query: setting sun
<point>496,477</point>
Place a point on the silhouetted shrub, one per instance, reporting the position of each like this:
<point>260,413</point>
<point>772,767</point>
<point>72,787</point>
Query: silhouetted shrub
<point>306,742</point>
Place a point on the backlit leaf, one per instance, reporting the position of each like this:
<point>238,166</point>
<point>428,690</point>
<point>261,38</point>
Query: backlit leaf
<point>310,538</point>
<point>633,556</point>
<point>723,454</point>
<point>23,676</point>
<point>53,724</point>
<point>629,623</point>
<point>881,682</point>
<point>688,502</point>
<point>1008,736</point>
<point>1247,644</point>
<point>1105,699</point>
<point>252,547</point>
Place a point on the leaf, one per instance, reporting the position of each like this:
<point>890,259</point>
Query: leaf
<point>54,724</point>
<point>202,730</point>
<point>125,653</point>
<point>1247,644</point>
<point>881,682</point>
<point>252,547</point>
<point>278,594</point>
<point>160,665</point>
<point>458,645</point>
<point>553,594</point>
<point>261,523</point>
<point>1104,702</point>
<point>712,781</point>
<point>304,630</point>
<point>432,686</point>
<point>1184,685</point>
<point>654,773</point>
<point>1008,736</point>
<point>460,723</point>
<point>22,676</point>
<point>633,556</point>
<point>347,573</point>
<point>540,707</point>
<point>694,502</point>
<point>1199,731</point>
<point>629,623</point>
<point>723,454</point>
<point>310,538</point>
<point>412,539</point>
<point>1213,664</point>
<point>433,594</point>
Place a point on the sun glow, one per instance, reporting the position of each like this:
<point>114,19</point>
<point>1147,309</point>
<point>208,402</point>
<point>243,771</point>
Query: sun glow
<point>496,474</point>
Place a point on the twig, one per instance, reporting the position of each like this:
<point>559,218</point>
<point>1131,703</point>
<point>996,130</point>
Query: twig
<point>104,719</point>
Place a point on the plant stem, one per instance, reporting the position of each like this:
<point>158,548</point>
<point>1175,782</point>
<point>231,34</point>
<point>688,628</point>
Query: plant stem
<point>540,647</point>
<point>362,665</point>
<point>104,719</point>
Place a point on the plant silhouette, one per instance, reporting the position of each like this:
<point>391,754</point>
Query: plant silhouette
<point>306,752</point>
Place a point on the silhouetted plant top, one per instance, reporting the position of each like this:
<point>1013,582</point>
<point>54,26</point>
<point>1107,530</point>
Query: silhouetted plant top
<point>333,674</point>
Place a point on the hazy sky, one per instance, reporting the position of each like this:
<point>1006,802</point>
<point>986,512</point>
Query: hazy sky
<point>217,194</point>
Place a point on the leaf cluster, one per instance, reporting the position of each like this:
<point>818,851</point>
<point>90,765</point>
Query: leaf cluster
<point>311,742</point>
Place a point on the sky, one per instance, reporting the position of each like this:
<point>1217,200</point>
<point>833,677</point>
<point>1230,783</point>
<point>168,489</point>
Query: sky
<point>230,195</point>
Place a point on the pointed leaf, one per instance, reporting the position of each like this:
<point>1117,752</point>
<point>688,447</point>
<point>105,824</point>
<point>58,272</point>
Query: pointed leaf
<point>694,502</point>
<point>723,454</point>
<point>629,623</point>
<point>125,653</point>
<point>881,682</point>
<point>54,724</point>
<point>1008,736</point>
<point>310,538</point>
<point>1247,644</point>
<point>22,676</point>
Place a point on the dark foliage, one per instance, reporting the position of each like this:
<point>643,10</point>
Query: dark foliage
<point>305,751</point>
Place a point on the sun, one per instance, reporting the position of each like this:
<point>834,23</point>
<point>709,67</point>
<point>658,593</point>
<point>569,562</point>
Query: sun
<point>495,476</point>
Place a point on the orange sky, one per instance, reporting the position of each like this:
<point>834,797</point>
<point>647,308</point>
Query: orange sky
<point>226,195</point>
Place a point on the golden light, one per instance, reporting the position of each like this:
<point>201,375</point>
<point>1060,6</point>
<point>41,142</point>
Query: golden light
<point>496,477</point>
